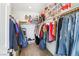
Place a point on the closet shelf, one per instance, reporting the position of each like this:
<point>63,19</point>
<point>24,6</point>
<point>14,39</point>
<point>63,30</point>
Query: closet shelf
<point>73,9</point>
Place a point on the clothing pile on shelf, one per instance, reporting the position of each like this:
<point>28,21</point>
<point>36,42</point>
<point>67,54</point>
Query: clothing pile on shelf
<point>67,35</point>
<point>16,37</point>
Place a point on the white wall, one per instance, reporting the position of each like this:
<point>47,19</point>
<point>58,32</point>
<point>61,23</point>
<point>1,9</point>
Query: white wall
<point>20,15</point>
<point>2,28</point>
<point>51,47</point>
<point>4,13</point>
<point>29,30</point>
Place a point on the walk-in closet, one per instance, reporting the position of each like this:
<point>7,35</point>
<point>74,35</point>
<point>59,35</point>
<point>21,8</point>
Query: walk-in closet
<point>39,29</point>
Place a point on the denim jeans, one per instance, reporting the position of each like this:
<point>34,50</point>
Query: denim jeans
<point>62,41</point>
<point>59,26</point>
<point>75,51</point>
<point>70,33</point>
<point>67,35</point>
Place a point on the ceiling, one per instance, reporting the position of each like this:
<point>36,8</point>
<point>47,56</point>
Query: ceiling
<point>29,7</point>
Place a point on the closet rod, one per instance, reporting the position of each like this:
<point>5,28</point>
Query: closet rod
<point>70,11</point>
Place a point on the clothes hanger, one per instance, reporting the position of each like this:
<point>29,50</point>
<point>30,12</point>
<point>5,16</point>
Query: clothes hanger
<point>12,18</point>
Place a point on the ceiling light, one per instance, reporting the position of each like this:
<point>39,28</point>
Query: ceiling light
<point>30,7</point>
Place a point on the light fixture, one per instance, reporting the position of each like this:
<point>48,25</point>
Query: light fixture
<point>30,7</point>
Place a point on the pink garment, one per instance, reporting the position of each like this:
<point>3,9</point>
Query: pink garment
<point>41,35</point>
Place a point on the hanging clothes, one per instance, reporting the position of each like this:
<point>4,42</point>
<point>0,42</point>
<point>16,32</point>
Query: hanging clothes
<point>41,32</point>
<point>37,40</point>
<point>59,26</point>
<point>42,44</point>
<point>47,33</point>
<point>70,34</point>
<point>17,29</point>
<point>51,36</point>
<point>66,38</point>
<point>12,36</point>
<point>41,35</point>
<point>75,50</point>
<point>22,40</point>
<point>63,34</point>
<point>54,28</point>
